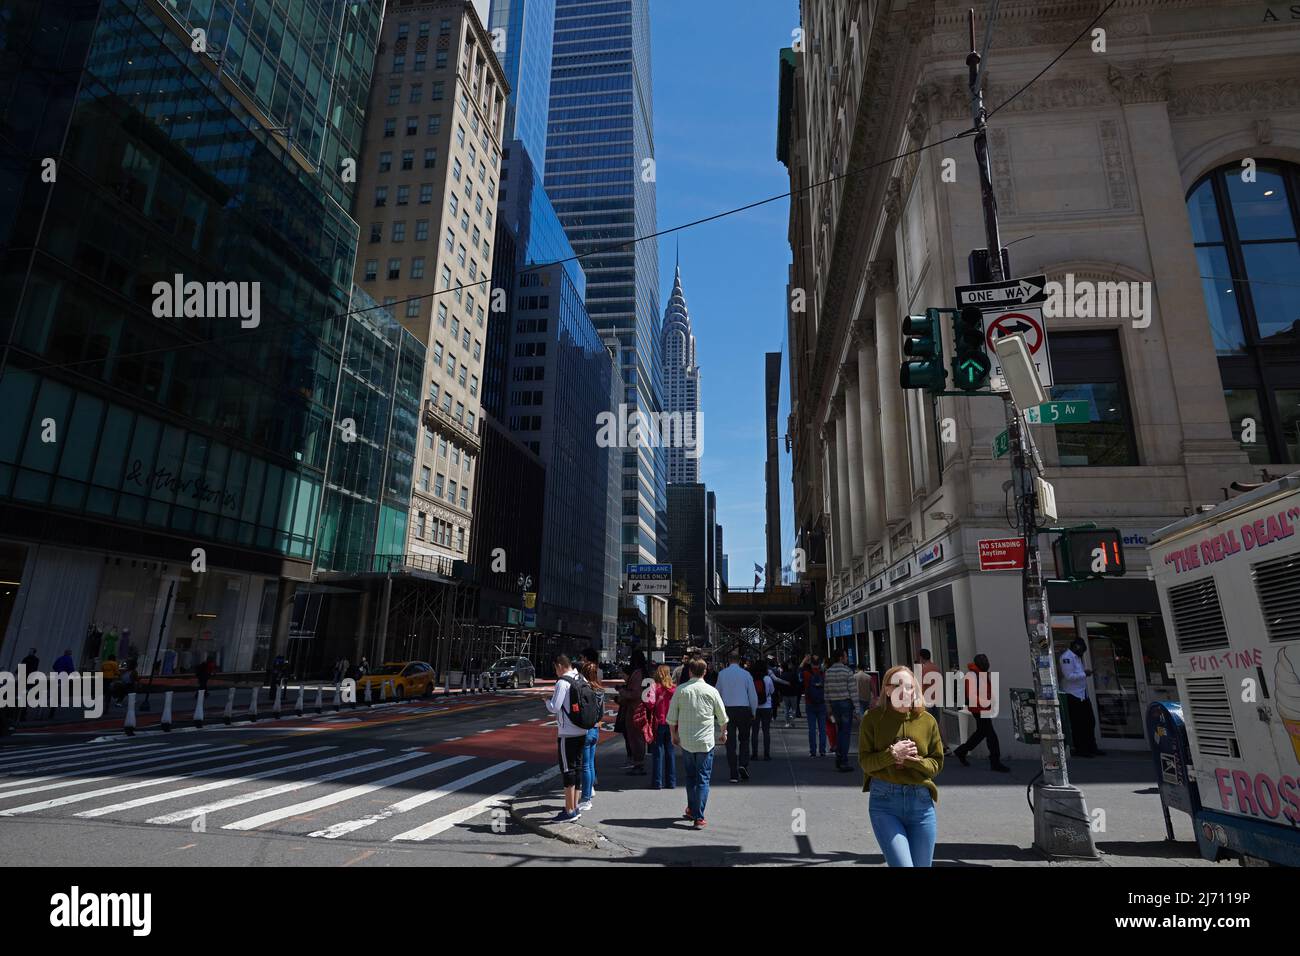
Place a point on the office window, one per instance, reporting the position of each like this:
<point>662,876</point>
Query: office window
<point>424,477</point>
<point>399,63</point>
<point>399,231</point>
<point>460,256</point>
<point>403,31</point>
<point>464,499</point>
<point>437,353</point>
<point>426,193</point>
<point>451,364</point>
<point>438,483</point>
<point>455,326</point>
<point>442,447</point>
<point>403,195</point>
<point>430,158</point>
<point>408,159</point>
<point>446,401</point>
<point>436,92</point>
<point>394,268</point>
<point>1088,367</point>
<point>412,125</point>
<point>412,307</point>
<point>440,60</point>
<point>385,162</point>
<point>460,379</point>
<point>421,230</point>
<point>451,491</point>
<point>1245,235</point>
<point>416,92</point>
<point>376,232</point>
<point>464,221</point>
<point>460,411</point>
<point>417,267</point>
<point>460,532</point>
<point>390,127</point>
<point>462,102</point>
<point>381,196</point>
<point>453,205</point>
<point>444,27</point>
<point>455,169</point>
<point>478,348</point>
<point>421,58</point>
<point>460,135</point>
<point>464,339</point>
<point>372,269</point>
<point>469,419</point>
<point>394,93</point>
<point>420,520</point>
<point>424,29</point>
<point>446,277</point>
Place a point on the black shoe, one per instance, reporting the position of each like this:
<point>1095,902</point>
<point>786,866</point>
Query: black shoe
<point>735,780</point>
<point>744,773</point>
<point>961,758</point>
<point>1000,768</point>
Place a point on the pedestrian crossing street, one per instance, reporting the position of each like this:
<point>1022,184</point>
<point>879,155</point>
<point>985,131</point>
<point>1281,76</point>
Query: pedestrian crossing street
<point>302,787</point>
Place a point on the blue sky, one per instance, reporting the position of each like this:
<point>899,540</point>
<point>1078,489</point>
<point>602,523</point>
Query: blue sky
<point>715,108</point>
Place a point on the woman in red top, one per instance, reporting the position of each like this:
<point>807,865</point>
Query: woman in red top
<point>663,769</point>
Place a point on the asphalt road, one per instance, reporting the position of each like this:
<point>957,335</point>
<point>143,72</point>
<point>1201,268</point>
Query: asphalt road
<point>417,783</point>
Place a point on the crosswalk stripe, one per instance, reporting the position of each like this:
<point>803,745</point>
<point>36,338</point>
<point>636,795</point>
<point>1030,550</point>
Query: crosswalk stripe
<point>306,806</point>
<point>418,800</point>
<point>214,785</point>
<point>115,762</point>
<point>434,827</point>
<point>40,761</point>
<point>90,795</point>
<point>19,754</point>
<point>283,788</point>
<point>71,779</point>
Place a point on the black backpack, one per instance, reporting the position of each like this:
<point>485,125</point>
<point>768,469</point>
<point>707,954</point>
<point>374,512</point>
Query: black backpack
<point>586,704</point>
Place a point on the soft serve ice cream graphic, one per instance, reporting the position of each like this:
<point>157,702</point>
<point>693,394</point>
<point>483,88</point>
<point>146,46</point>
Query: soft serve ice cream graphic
<point>1286,681</point>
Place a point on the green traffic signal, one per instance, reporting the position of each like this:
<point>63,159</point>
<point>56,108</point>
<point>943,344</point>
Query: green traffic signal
<point>922,342</point>
<point>971,365</point>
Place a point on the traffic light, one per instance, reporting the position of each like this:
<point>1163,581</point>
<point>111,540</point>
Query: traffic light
<point>971,366</point>
<point>922,341</point>
<point>1086,553</point>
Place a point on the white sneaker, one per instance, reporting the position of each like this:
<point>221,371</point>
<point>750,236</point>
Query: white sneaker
<point>584,806</point>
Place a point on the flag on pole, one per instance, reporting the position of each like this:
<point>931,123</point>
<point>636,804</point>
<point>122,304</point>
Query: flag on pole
<point>758,569</point>
<point>755,580</point>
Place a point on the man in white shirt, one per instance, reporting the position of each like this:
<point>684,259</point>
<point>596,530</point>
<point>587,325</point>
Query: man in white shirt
<point>1074,682</point>
<point>736,686</point>
<point>571,738</point>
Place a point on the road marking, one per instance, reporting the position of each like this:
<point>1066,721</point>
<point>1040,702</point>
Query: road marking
<point>42,763</point>
<point>284,787</point>
<point>216,784</point>
<point>419,800</point>
<point>70,779</point>
<point>450,739</point>
<point>434,827</point>
<point>92,794</point>
<point>359,857</point>
<point>19,754</point>
<point>487,730</point>
<point>307,806</point>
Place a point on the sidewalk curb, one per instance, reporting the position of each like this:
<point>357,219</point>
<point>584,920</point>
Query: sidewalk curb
<point>531,806</point>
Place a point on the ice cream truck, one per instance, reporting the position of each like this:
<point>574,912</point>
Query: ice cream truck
<point>1229,586</point>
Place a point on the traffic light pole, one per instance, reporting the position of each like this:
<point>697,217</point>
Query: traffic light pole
<point>1062,824</point>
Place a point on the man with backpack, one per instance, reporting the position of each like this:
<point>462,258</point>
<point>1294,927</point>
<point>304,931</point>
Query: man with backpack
<point>841,689</point>
<point>736,687</point>
<point>765,688</point>
<point>577,708</point>
<point>814,694</point>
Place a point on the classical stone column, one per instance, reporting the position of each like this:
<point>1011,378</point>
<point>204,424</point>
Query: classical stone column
<point>843,521</point>
<point>873,480</point>
<point>853,441</point>
<point>830,478</point>
<point>893,416</point>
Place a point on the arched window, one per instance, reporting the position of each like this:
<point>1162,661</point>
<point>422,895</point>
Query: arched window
<point>1247,237</point>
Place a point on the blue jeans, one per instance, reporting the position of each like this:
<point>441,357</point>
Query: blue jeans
<point>816,724</point>
<point>663,771</point>
<point>589,763</point>
<point>902,818</point>
<point>699,768</point>
<point>842,711</point>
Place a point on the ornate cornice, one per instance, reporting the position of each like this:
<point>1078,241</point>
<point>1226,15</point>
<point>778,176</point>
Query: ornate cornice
<point>1140,82</point>
<point>893,202</point>
<point>1244,96</point>
<point>951,99</point>
<point>880,274</point>
<point>863,330</point>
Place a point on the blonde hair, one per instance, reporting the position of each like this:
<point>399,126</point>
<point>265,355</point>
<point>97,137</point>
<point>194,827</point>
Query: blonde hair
<point>886,690</point>
<point>664,676</point>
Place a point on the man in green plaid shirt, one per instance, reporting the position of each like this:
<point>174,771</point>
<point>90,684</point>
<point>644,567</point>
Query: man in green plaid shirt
<point>694,714</point>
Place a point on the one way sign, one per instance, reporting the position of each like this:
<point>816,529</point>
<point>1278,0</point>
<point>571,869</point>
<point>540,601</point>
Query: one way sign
<point>1026,290</point>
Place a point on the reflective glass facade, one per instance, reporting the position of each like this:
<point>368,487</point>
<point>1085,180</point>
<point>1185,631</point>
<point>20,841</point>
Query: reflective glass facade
<point>373,444</point>
<point>526,27</point>
<point>599,175</point>
<point>182,429</point>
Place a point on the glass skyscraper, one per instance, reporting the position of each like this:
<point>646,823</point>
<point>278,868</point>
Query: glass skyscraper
<point>174,431</point>
<point>525,28</point>
<point>600,176</point>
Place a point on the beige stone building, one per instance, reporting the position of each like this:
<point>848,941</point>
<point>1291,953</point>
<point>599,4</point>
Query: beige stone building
<point>1121,164</point>
<point>427,204</point>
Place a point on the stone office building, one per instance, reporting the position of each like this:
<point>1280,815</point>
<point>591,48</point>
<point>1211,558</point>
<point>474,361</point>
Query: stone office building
<point>1116,166</point>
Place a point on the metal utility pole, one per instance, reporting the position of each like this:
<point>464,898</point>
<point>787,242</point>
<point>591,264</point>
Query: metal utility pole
<point>1062,824</point>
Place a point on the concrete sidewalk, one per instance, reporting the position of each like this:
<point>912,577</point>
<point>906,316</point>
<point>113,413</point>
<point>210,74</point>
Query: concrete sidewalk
<point>798,810</point>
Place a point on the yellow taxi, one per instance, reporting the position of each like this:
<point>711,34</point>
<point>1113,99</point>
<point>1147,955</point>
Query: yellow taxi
<point>405,679</point>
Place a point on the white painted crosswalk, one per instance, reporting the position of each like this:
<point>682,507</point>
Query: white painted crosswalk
<point>300,788</point>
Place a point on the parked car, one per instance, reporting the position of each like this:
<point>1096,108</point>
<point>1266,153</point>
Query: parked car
<point>512,672</point>
<point>409,679</point>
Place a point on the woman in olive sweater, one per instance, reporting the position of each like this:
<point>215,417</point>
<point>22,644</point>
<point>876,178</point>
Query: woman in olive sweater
<point>901,753</point>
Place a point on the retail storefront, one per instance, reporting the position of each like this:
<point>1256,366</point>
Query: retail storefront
<point>97,605</point>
